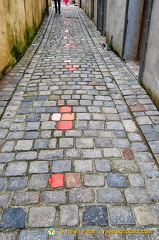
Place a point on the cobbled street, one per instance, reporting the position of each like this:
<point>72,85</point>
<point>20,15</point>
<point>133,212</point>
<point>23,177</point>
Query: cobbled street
<point>72,110</point>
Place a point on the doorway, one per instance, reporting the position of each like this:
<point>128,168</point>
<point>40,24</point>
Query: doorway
<point>135,34</point>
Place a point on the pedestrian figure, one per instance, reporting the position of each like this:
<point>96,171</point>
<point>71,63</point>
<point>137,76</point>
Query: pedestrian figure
<point>66,1</point>
<point>57,2</point>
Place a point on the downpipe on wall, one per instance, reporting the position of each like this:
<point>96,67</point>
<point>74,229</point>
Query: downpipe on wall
<point>148,21</point>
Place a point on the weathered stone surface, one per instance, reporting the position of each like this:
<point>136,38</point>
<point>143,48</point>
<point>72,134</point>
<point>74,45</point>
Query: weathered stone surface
<point>69,215</point>
<point>41,216</point>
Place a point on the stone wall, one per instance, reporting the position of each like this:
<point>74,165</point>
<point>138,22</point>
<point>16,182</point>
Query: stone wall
<point>20,20</point>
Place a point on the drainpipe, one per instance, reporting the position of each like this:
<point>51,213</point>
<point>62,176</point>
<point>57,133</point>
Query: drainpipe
<point>98,14</point>
<point>47,7</point>
<point>148,20</point>
<point>125,29</point>
<point>104,5</point>
<point>80,5</point>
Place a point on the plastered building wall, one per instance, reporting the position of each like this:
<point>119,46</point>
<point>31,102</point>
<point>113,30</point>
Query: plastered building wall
<point>115,22</point>
<point>150,77</point>
<point>19,22</point>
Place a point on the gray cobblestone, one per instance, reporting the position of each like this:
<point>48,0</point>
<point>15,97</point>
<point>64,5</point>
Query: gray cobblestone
<point>61,166</point>
<point>33,235</point>
<point>24,145</point>
<point>29,155</point>
<point>41,143</point>
<point>17,127</point>
<point>149,170</point>
<point>4,198</point>
<point>92,153</point>
<point>41,216</point>
<point>25,198</point>
<point>39,167</point>
<point>73,153</point>
<point>81,195</point>
<point>50,155</point>
<point>63,236</point>
<point>54,196</point>
<point>81,124</point>
<point>103,165</point>
<point>114,126</point>
<point>66,142</point>
<point>121,216</point>
<point>146,215</point>
<point>125,166</point>
<point>96,125</point>
<point>136,180</point>
<point>84,143</point>
<point>153,186</point>
<point>3,133</point>
<point>137,196</point>
<point>2,183</point>
<point>48,125</point>
<point>69,215</point>
<point>38,181</point>
<point>83,165</point>
<point>103,143</point>
<point>17,183</point>
<point>15,135</point>
<point>109,196</point>
<point>73,133</point>
<point>90,133</point>
<point>1,168</point>
<point>8,236</point>
<point>94,180</point>
<point>116,180</point>
<point>16,168</point>
<point>6,157</point>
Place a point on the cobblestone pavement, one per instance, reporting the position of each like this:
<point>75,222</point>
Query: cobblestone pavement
<point>73,108</point>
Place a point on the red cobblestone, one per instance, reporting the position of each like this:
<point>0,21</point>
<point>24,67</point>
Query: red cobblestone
<point>73,180</point>
<point>138,108</point>
<point>127,154</point>
<point>67,116</point>
<point>56,180</point>
<point>65,109</point>
<point>94,83</point>
<point>68,66</point>
<point>72,69</point>
<point>64,125</point>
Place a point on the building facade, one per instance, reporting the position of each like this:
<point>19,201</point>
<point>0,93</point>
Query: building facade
<point>134,27</point>
<point>19,23</point>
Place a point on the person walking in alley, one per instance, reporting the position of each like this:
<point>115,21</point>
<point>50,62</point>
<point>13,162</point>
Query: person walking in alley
<point>57,2</point>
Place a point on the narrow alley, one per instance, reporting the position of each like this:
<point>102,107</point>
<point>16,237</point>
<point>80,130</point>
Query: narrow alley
<point>79,140</point>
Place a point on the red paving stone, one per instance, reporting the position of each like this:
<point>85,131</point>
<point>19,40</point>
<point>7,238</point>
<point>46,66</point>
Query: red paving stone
<point>65,109</point>
<point>66,46</point>
<point>71,41</point>
<point>56,180</point>
<point>72,69</point>
<point>64,125</point>
<point>73,46</point>
<point>137,108</point>
<point>128,154</point>
<point>68,66</point>
<point>94,83</point>
<point>73,180</point>
<point>67,116</point>
<point>67,30</point>
<point>76,66</point>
